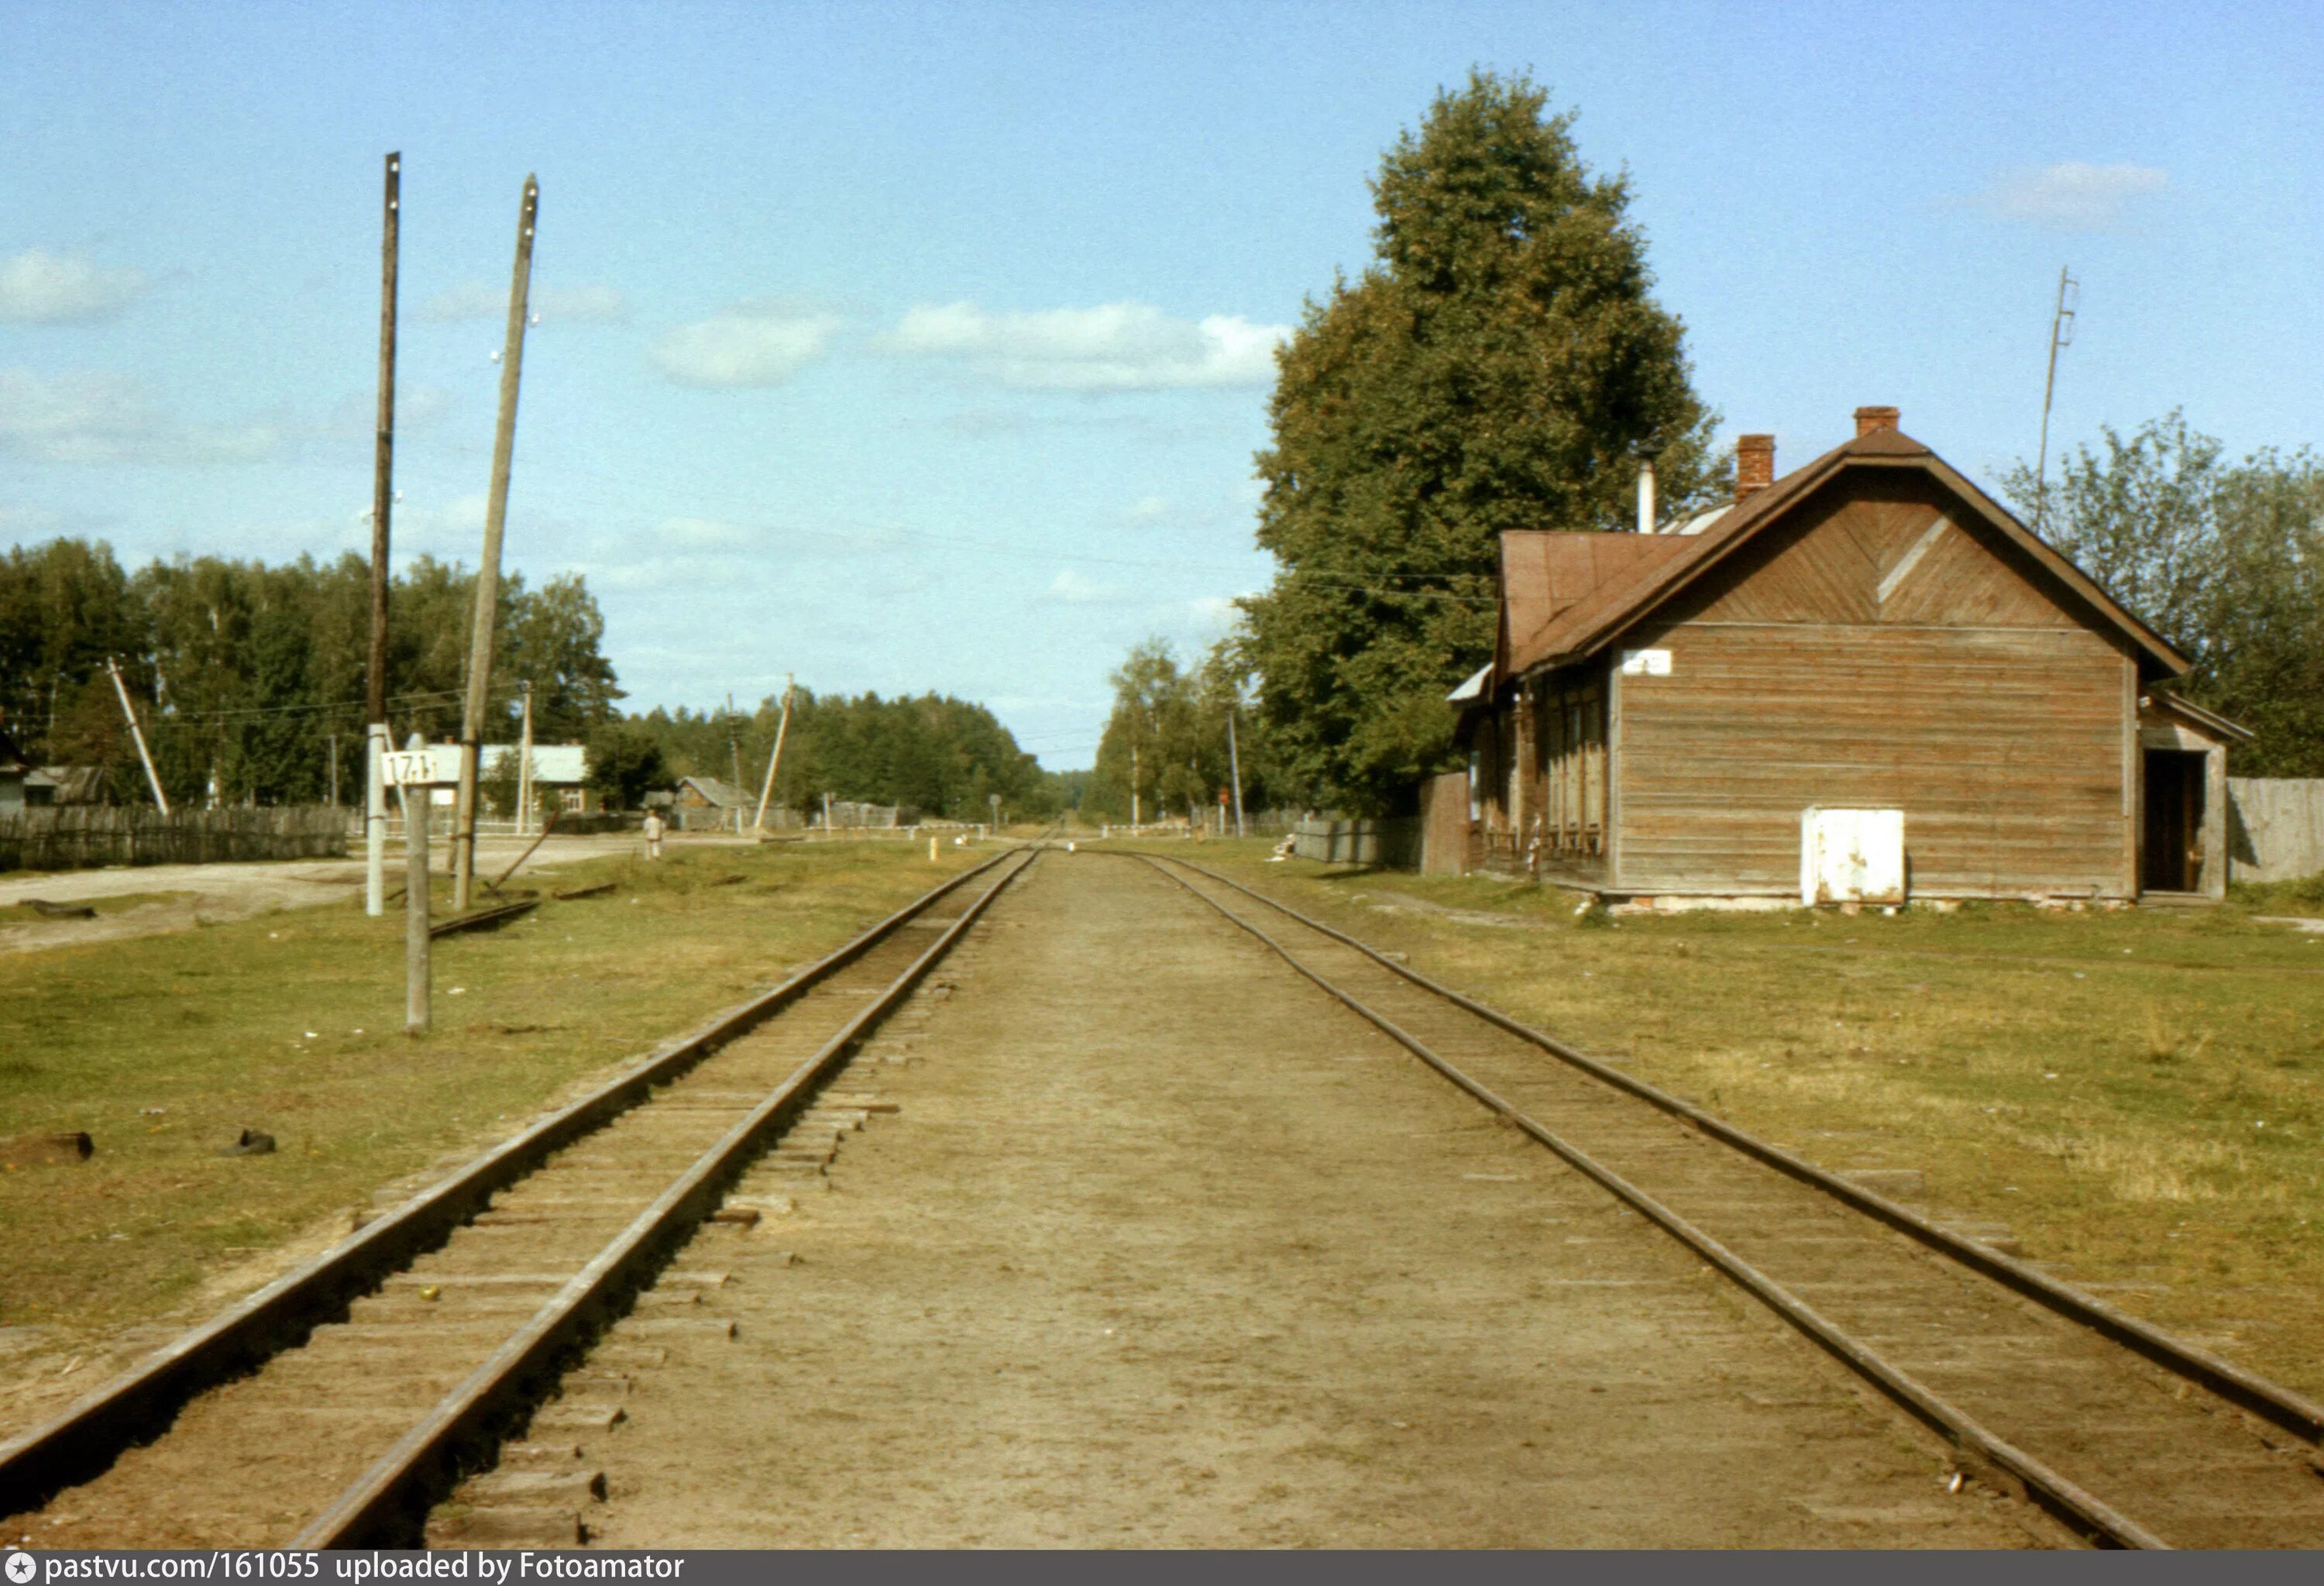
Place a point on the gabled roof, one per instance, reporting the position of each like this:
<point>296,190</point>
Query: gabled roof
<point>1589,624</point>
<point>2195,716</point>
<point>719,795</point>
<point>1544,576</point>
<point>74,784</point>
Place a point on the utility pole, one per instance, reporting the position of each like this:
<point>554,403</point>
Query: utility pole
<point>2061,335</point>
<point>334,770</point>
<point>775,758</point>
<point>1234,765</point>
<point>1133,786</point>
<point>734,759</point>
<point>488,572</point>
<point>415,968</point>
<point>524,769</point>
<point>159,799</point>
<point>376,743</point>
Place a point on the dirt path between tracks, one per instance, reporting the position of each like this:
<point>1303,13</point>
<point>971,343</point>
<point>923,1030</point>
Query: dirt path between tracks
<point>1166,1249</point>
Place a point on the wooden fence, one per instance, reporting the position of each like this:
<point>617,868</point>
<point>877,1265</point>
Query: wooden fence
<point>2275,830</point>
<point>87,836</point>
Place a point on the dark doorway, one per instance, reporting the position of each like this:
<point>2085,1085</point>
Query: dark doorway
<point>2173,850</point>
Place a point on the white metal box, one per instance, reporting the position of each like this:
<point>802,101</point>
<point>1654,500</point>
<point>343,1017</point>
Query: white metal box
<point>1851,856</point>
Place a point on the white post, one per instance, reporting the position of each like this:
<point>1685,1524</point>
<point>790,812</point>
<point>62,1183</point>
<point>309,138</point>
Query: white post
<point>1234,771</point>
<point>376,820</point>
<point>524,772</point>
<point>152,779</point>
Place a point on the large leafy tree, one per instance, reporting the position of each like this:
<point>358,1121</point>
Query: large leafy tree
<point>248,678</point>
<point>1501,364</point>
<point>2224,559</point>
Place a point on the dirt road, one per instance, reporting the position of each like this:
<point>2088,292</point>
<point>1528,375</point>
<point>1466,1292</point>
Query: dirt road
<point>199,894</point>
<point>1163,1248</point>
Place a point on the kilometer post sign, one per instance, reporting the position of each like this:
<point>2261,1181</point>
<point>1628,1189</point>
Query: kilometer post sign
<point>435,766</point>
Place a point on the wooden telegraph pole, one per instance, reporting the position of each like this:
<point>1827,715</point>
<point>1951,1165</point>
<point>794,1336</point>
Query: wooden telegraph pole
<point>153,780</point>
<point>375,682</point>
<point>1234,766</point>
<point>781,727</point>
<point>734,755</point>
<point>376,743</point>
<point>488,573</point>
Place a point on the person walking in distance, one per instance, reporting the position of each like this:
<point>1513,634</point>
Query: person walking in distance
<point>652,830</point>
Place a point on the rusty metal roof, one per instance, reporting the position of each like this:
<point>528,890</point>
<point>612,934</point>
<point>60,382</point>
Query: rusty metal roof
<point>1577,629</point>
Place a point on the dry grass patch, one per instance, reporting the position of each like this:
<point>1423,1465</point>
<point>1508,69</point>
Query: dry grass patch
<point>163,1047</point>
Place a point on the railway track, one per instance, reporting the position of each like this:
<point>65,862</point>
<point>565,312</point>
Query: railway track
<point>2130,1437</point>
<point>332,1407</point>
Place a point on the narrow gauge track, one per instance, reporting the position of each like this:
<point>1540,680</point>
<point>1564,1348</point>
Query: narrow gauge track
<point>330,1408</point>
<point>2132,1438</point>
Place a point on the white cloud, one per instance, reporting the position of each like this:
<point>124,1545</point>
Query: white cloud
<point>1146,509</point>
<point>1115,346</point>
<point>89,418</point>
<point>754,343</point>
<point>22,522</point>
<point>1071,588</point>
<point>451,531</point>
<point>41,288</point>
<point>581,305</point>
<point>2071,196</point>
<point>702,534</point>
<point>473,300</point>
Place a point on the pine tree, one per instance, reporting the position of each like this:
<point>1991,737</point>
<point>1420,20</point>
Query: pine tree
<point>1501,364</point>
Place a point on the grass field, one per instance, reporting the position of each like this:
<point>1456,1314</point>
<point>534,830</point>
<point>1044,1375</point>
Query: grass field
<point>164,1047</point>
<point>2138,1095</point>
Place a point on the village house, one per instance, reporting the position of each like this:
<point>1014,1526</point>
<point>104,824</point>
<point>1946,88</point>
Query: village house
<point>1862,681</point>
<point>706,804</point>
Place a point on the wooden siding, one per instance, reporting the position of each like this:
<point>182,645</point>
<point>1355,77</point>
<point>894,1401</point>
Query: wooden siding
<point>1883,651</point>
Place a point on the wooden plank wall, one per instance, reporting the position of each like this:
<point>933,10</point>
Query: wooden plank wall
<point>2278,828</point>
<point>1883,651</point>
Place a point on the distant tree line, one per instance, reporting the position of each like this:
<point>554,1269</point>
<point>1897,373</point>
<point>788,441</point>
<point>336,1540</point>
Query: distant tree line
<point>2225,559</point>
<point>1166,737</point>
<point>243,674</point>
<point>941,756</point>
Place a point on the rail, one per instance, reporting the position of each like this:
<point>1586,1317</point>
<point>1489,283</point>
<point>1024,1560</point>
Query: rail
<point>2064,1498</point>
<point>89,1434</point>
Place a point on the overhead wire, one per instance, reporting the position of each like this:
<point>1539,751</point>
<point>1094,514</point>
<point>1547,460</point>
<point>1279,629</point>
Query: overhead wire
<point>1374,581</point>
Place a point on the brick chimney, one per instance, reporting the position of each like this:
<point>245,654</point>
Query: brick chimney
<point>1868,419</point>
<point>1755,465</point>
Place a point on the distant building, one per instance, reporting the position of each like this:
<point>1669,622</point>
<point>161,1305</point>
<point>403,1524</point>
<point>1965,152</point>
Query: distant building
<point>706,804</point>
<point>560,775</point>
<point>1865,654</point>
<point>71,784</point>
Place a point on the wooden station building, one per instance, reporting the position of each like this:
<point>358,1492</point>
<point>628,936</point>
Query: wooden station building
<point>1667,712</point>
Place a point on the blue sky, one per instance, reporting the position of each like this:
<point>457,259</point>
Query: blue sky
<point>911,347</point>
